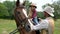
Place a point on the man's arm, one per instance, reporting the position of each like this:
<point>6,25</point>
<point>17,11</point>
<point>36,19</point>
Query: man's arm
<point>42,25</point>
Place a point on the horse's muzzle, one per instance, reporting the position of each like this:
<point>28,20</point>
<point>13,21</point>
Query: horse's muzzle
<point>27,27</point>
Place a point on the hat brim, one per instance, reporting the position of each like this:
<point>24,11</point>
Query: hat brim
<point>51,14</point>
<point>33,6</point>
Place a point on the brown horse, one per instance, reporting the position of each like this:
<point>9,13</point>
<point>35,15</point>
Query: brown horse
<point>21,19</point>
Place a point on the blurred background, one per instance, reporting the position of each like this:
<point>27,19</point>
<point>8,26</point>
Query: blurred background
<point>7,22</point>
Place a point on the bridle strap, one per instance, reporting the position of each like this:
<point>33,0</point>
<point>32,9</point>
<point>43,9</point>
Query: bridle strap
<point>20,21</point>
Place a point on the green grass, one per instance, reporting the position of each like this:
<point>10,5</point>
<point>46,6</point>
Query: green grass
<point>57,27</point>
<point>6,26</point>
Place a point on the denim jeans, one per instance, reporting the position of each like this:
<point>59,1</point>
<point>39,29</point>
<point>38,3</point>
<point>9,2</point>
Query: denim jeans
<point>35,20</point>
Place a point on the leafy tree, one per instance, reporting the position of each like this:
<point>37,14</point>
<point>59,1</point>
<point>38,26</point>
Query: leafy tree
<point>27,3</point>
<point>10,5</point>
<point>56,6</point>
<point>3,10</point>
<point>40,15</point>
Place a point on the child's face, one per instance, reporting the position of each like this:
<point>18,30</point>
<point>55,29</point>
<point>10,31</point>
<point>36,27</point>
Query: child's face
<point>32,7</point>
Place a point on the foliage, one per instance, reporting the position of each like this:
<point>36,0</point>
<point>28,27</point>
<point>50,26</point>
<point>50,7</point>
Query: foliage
<point>56,6</point>
<point>10,5</point>
<point>27,3</point>
<point>3,10</point>
<point>7,9</point>
<point>40,15</point>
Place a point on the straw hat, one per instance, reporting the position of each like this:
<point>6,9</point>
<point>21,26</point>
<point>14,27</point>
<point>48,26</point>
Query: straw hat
<point>49,10</point>
<point>33,4</point>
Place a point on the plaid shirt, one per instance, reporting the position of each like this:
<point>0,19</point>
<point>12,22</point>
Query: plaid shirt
<point>34,14</point>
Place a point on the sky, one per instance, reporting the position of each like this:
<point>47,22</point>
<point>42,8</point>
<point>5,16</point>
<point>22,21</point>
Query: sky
<point>39,3</point>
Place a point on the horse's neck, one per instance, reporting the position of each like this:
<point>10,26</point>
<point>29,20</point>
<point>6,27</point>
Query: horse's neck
<point>24,11</point>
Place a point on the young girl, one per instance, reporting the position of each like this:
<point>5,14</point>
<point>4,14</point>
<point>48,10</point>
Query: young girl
<point>33,13</point>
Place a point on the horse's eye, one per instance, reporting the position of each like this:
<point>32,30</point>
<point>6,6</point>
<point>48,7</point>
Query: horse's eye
<point>18,12</point>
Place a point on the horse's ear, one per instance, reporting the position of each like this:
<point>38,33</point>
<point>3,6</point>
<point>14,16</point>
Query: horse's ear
<point>17,3</point>
<point>24,3</point>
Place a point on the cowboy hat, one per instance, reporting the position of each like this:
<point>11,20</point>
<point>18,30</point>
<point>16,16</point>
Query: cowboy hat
<point>32,4</point>
<point>49,10</point>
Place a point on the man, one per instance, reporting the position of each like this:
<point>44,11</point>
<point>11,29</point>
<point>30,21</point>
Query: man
<point>44,24</point>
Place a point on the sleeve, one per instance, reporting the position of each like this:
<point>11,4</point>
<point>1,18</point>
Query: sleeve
<point>42,25</point>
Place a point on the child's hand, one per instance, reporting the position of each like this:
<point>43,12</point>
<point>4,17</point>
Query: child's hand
<point>40,19</point>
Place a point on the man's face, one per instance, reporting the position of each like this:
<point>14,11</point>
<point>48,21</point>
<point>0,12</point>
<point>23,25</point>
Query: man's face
<point>45,14</point>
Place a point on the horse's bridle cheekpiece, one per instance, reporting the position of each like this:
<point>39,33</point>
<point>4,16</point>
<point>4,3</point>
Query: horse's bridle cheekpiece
<point>22,23</point>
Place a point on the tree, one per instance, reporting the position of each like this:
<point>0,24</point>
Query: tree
<point>3,10</point>
<point>56,6</point>
<point>10,5</point>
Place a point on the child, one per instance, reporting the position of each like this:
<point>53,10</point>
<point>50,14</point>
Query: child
<point>33,13</point>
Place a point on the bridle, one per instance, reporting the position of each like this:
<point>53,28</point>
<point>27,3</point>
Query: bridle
<point>22,22</point>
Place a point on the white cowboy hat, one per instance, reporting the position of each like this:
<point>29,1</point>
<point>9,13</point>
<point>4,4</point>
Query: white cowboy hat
<point>49,10</point>
<point>33,4</point>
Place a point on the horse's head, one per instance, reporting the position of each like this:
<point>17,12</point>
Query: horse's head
<point>21,16</point>
<point>20,13</point>
<point>20,9</point>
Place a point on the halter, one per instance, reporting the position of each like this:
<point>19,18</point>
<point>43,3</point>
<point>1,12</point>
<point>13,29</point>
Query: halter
<point>21,22</point>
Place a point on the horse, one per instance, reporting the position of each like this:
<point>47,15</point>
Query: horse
<point>21,19</point>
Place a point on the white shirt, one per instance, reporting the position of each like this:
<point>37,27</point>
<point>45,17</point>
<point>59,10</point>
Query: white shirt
<point>42,25</point>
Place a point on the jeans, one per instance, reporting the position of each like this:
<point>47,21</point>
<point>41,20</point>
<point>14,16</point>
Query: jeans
<point>35,20</point>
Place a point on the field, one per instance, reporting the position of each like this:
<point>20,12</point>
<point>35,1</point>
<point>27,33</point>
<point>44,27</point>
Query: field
<point>6,26</point>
